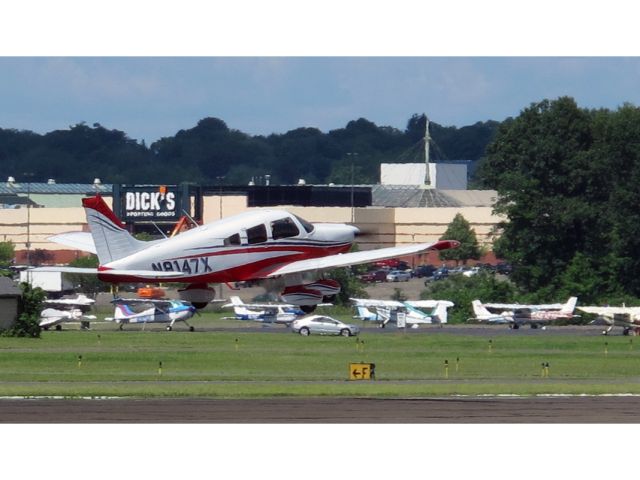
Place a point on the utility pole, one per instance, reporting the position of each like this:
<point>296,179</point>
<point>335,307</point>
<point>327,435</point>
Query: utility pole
<point>352,155</point>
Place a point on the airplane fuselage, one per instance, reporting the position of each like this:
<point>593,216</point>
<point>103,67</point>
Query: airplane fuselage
<point>244,247</point>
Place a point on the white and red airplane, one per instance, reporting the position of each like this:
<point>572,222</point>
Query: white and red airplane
<point>282,250</point>
<point>516,314</point>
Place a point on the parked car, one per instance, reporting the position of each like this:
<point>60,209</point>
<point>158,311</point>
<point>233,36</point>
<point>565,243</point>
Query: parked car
<point>471,272</point>
<point>424,271</point>
<point>503,268</point>
<point>398,276</point>
<point>439,274</point>
<point>376,276</point>
<point>392,263</point>
<point>323,325</point>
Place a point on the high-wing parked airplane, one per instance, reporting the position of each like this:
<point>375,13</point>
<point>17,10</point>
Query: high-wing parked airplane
<point>59,311</point>
<point>264,312</point>
<point>278,248</point>
<point>137,310</point>
<point>626,317</point>
<point>516,314</point>
<point>387,311</point>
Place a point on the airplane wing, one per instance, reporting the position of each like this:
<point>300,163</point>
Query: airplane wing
<point>77,240</point>
<point>147,274</point>
<point>517,306</point>
<point>609,310</point>
<point>357,258</point>
<point>428,303</point>
<point>367,302</point>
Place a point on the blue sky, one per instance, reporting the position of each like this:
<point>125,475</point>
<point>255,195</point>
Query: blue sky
<point>152,97</point>
<point>150,68</point>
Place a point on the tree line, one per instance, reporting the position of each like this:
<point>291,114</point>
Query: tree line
<point>212,153</point>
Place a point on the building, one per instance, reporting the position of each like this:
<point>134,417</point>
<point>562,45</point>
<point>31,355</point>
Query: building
<point>9,301</point>
<point>388,215</point>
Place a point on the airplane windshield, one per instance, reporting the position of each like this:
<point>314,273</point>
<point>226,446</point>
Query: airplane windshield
<point>306,225</point>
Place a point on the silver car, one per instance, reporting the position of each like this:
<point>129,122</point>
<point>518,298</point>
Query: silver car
<point>323,325</point>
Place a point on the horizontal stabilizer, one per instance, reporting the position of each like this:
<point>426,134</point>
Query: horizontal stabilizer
<point>76,240</point>
<point>148,274</point>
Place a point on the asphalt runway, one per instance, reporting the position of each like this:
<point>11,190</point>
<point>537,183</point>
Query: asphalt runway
<point>459,410</point>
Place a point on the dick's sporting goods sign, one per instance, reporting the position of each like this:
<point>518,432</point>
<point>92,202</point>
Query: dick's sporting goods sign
<point>152,203</point>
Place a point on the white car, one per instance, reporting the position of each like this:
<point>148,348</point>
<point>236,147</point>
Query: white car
<point>398,276</point>
<point>470,273</point>
<point>323,325</point>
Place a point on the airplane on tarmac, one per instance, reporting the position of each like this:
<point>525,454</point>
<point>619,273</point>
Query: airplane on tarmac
<point>59,311</point>
<point>626,317</point>
<point>387,311</point>
<point>516,314</point>
<point>128,310</point>
<point>281,250</point>
<point>264,312</point>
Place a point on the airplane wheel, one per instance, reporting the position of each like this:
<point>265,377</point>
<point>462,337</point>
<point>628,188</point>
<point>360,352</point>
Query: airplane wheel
<point>328,298</point>
<point>345,332</point>
<point>304,331</point>
<point>58,327</point>
<point>169,328</point>
<point>625,331</point>
<point>199,305</point>
<point>191,329</point>
<point>516,326</point>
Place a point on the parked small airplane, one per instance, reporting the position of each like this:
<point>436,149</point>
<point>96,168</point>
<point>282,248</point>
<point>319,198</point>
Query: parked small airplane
<point>387,311</point>
<point>516,314</point>
<point>264,312</point>
<point>154,311</point>
<point>626,317</point>
<point>63,310</point>
<point>283,251</point>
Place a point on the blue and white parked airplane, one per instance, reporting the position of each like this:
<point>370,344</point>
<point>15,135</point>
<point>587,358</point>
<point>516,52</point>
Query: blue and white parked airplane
<point>416,312</point>
<point>139,310</point>
<point>264,312</point>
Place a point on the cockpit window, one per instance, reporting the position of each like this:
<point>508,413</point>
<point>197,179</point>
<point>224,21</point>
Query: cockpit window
<point>232,240</point>
<point>306,225</point>
<point>257,234</point>
<point>284,228</point>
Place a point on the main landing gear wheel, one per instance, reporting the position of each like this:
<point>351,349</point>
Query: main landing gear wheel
<point>304,331</point>
<point>169,328</point>
<point>307,308</point>
<point>191,329</point>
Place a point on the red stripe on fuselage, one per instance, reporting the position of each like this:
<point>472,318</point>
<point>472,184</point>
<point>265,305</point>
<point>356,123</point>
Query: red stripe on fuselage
<point>249,271</point>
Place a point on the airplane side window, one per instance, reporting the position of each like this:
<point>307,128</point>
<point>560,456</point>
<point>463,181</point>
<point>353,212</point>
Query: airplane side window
<point>257,234</point>
<point>306,225</point>
<point>232,240</point>
<point>284,228</point>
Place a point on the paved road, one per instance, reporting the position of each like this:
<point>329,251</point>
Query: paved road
<point>326,410</point>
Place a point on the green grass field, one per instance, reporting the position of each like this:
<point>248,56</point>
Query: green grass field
<point>245,364</point>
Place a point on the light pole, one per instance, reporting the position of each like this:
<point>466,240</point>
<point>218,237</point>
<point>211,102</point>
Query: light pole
<point>28,175</point>
<point>352,156</point>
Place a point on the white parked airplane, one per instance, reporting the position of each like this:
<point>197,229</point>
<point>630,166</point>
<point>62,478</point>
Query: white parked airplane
<point>387,311</point>
<point>140,310</point>
<point>278,248</point>
<point>626,317</point>
<point>63,310</point>
<point>516,314</point>
<point>264,312</point>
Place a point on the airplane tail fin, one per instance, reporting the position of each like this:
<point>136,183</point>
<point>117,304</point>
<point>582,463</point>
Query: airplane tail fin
<point>112,241</point>
<point>440,312</point>
<point>570,306</point>
<point>479,310</point>
<point>236,301</point>
<point>122,311</point>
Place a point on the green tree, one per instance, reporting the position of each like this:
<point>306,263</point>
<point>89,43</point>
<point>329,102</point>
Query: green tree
<point>463,290</point>
<point>7,253</point>
<point>459,229</point>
